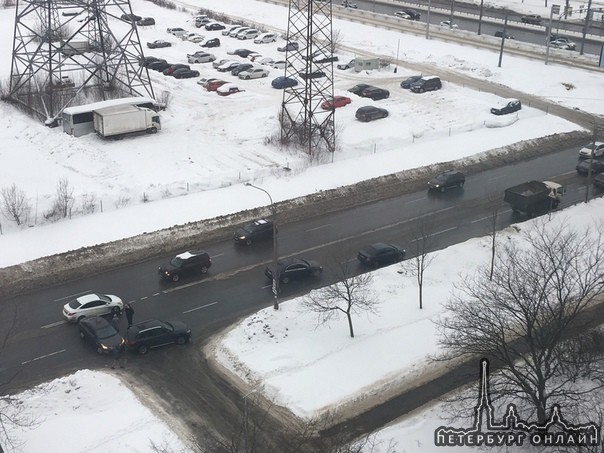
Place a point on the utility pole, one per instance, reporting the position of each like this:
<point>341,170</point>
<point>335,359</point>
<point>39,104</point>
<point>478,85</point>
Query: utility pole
<point>480,17</point>
<point>585,26</point>
<point>505,27</point>
<point>548,37</point>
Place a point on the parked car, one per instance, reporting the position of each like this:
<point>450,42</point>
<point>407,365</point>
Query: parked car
<point>291,269</point>
<point>194,37</point>
<point>283,82</point>
<point>153,333</point>
<point>214,42</point>
<point>507,106</point>
<point>214,84</point>
<point>214,26</point>
<point>598,181</point>
<point>532,19</point>
<point>311,75</point>
<point>242,67</point>
<point>375,93</point>
<point>233,33</point>
<point>358,89</point>
<point>252,232</point>
<point>370,113</point>
<point>159,66</point>
<point>347,4</point>
<point>598,150</point>
<point>158,43</point>
<point>202,22</point>
<point>229,29</point>
<point>447,180</point>
<point>201,57</point>
<point>216,64</point>
<point>448,24</point>
<point>101,334</point>
<point>174,67</point>
<point>289,47</point>
<point>145,21</point>
<point>406,84</point>
<point>265,38</point>
<point>254,73</point>
<point>228,89</point>
<point>193,261</point>
<point>92,305</point>
<point>228,66</point>
<point>243,53</point>
<point>335,102</point>
<point>426,84</point>
<point>402,15</point>
<point>185,73</point>
<point>146,61</point>
<point>597,166</point>
<point>250,33</point>
<point>280,64</point>
<point>204,82</point>
<point>380,254</point>
<point>413,14</point>
<point>500,34</point>
<point>344,66</point>
<point>264,61</point>
<point>563,43</point>
<point>131,17</point>
<point>254,56</point>
<point>177,31</point>
<point>63,82</point>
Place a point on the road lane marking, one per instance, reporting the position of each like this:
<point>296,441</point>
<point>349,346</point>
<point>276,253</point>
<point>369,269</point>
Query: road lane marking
<point>144,298</point>
<point>434,234</point>
<point>43,356</point>
<point>318,228</point>
<point>199,308</point>
<point>481,219</point>
<point>416,200</point>
<point>54,324</point>
<point>88,291</point>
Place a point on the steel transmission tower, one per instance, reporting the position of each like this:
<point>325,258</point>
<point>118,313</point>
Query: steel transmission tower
<point>70,51</point>
<point>309,26</point>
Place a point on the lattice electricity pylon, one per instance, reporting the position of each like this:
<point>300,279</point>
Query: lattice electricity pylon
<point>67,50</point>
<point>309,58</point>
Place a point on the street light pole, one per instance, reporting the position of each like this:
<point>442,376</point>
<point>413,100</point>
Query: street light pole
<point>275,243</point>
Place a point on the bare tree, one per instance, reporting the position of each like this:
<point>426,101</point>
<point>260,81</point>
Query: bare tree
<point>420,247</point>
<point>350,295</point>
<point>64,198</point>
<point>540,291</point>
<point>493,222</point>
<point>14,204</point>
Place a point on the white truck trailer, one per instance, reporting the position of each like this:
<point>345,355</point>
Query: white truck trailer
<point>120,120</point>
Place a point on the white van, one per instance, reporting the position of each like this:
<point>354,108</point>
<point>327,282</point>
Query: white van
<point>250,33</point>
<point>265,38</point>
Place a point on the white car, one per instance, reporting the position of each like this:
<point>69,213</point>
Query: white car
<point>216,64</point>
<point>92,305</point>
<point>563,43</point>
<point>265,61</point>
<point>237,30</point>
<point>250,33</point>
<point>265,38</point>
<point>193,37</point>
<point>201,57</point>
<point>254,73</point>
<point>585,152</point>
<point>402,15</point>
<point>227,31</point>
<point>176,31</point>
<point>281,64</point>
<point>448,24</point>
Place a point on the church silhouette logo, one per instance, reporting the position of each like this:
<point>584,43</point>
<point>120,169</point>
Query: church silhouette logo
<point>511,430</point>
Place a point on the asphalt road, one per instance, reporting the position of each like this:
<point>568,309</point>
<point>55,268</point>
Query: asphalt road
<point>40,345</point>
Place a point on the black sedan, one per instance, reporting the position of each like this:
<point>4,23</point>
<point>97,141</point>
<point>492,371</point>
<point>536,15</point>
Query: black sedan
<point>146,61</point>
<point>358,89</point>
<point>160,66</point>
<point>379,254</point>
<point>100,333</point>
<point>507,106</point>
<point>145,335</point>
<point>145,21</point>
<point>214,26</point>
<point>375,93</point>
<point>294,269</point>
<point>131,17</point>
<point>158,43</point>
<point>597,166</point>
<point>185,73</point>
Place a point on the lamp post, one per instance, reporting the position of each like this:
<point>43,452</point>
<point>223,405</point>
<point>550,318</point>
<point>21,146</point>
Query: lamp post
<point>275,271</point>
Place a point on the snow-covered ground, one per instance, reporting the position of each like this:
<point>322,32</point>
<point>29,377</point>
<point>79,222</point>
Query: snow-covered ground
<point>211,145</point>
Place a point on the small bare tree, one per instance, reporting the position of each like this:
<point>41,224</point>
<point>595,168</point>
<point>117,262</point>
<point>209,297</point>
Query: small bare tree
<point>14,204</point>
<point>64,198</point>
<point>421,245</point>
<point>350,295</point>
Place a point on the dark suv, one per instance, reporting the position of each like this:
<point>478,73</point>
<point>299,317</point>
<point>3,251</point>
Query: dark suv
<point>447,180</point>
<point>375,93</point>
<point>532,19</point>
<point>370,113</point>
<point>145,335</point>
<point>185,263</point>
<point>260,229</point>
<point>426,84</point>
<point>414,15</point>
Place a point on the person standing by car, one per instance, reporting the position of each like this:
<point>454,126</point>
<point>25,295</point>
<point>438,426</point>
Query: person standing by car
<point>129,314</point>
<point>115,322</point>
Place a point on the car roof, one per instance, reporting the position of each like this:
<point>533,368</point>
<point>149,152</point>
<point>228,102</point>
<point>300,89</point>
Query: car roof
<point>87,298</point>
<point>188,254</point>
<point>146,325</point>
<point>95,321</point>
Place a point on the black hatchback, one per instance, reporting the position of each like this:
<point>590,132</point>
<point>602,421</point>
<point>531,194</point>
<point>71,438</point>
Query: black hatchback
<point>145,335</point>
<point>380,254</point>
<point>375,93</point>
<point>447,180</point>
<point>100,333</point>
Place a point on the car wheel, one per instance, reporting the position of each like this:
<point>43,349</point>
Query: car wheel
<point>204,269</point>
<point>247,77</point>
<point>264,75</point>
<point>115,311</point>
<point>153,130</point>
<point>175,277</point>
<point>285,280</point>
<point>181,340</point>
<point>421,90</point>
<point>248,242</point>
<point>143,349</point>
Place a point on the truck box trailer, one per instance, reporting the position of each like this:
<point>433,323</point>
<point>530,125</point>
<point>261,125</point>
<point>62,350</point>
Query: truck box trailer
<point>534,197</point>
<point>120,120</point>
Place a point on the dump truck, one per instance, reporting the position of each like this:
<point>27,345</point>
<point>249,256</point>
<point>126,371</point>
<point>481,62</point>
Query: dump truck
<point>119,120</point>
<point>534,197</point>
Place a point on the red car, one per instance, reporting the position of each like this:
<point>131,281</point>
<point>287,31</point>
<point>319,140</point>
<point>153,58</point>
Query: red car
<point>214,84</point>
<point>337,101</point>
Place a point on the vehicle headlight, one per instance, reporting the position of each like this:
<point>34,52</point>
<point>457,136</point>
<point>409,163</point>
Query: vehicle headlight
<point>189,332</point>
<point>241,237</point>
<point>103,347</point>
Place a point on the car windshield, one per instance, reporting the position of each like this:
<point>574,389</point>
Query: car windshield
<point>441,177</point>
<point>106,331</point>
<point>168,325</point>
<point>176,261</point>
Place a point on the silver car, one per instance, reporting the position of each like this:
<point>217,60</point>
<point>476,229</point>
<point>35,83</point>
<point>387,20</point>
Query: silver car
<point>253,73</point>
<point>92,305</point>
